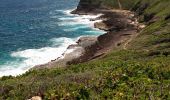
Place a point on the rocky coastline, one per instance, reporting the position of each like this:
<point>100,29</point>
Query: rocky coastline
<point>120,26</point>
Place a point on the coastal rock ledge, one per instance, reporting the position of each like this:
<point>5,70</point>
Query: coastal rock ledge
<point>120,26</point>
<point>80,52</point>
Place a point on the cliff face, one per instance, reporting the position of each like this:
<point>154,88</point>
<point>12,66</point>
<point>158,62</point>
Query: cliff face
<point>91,5</point>
<point>86,6</point>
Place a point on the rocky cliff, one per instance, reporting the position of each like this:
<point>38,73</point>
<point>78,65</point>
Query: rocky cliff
<point>86,6</point>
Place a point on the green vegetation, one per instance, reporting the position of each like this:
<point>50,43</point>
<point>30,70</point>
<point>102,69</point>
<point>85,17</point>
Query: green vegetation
<point>140,72</point>
<point>120,75</point>
<point>126,4</point>
<point>156,36</point>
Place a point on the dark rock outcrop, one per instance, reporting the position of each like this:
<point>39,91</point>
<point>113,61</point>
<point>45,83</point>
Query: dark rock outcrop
<point>86,6</point>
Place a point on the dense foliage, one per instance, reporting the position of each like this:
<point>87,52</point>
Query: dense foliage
<point>140,72</point>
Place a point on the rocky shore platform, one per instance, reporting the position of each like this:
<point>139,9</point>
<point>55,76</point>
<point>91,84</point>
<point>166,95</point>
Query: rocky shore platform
<point>121,27</point>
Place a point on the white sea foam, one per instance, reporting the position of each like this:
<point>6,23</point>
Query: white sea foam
<point>82,19</point>
<point>74,19</point>
<point>34,57</point>
<point>75,28</point>
<point>95,32</point>
<point>68,12</point>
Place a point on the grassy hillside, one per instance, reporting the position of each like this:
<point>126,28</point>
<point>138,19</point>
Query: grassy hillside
<point>126,4</point>
<point>140,72</point>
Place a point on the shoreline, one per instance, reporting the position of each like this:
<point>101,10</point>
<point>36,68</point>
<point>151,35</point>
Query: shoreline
<point>120,27</point>
<point>69,41</point>
<point>79,47</point>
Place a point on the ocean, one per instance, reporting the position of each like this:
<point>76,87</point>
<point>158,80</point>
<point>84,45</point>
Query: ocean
<point>34,32</point>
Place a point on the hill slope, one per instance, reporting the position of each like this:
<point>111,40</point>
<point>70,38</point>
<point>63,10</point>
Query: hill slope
<point>141,71</point>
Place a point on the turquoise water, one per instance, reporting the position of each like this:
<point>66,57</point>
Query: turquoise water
<point>34,32</point>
